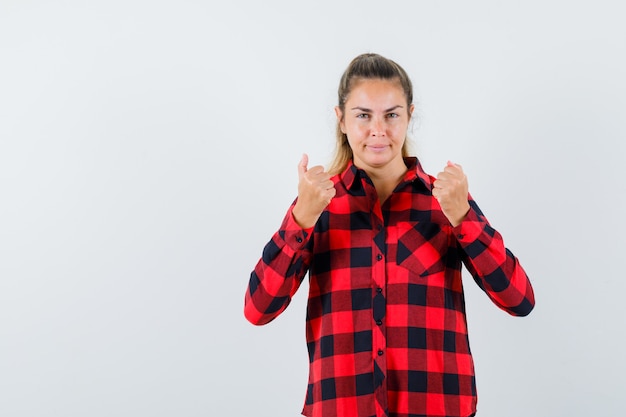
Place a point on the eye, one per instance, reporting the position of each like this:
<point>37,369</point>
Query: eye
<point>393,115</point>
<point>362,116</point>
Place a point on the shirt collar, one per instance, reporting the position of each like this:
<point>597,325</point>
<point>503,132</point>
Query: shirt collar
<point>352,176</point>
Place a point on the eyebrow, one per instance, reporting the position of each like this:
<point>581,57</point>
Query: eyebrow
<point>365,110</point>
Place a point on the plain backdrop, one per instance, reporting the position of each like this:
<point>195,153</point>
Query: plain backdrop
<point>148,151</point>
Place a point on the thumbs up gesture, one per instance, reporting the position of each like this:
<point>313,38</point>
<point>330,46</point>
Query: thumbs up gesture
<point>315,190</point>
<point>451,191</point>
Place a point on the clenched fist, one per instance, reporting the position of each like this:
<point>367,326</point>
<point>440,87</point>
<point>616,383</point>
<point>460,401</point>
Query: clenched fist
<point>451,191</point>
<point>315,190</point>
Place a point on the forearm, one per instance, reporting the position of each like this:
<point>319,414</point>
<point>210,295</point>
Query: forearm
<point>496,270</point>
<point>278,274</point>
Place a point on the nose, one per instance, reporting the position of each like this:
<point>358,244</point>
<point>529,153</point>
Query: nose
<point>378,127</point>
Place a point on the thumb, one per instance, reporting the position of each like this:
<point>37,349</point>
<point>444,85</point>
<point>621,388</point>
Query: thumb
<point>302,165</point>
<point>454,164</point>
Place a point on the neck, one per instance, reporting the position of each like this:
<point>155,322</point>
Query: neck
<point>391,172</point>
<point>386,179</point>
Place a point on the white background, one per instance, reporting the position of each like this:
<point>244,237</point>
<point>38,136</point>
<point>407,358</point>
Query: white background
<point>148,151</point>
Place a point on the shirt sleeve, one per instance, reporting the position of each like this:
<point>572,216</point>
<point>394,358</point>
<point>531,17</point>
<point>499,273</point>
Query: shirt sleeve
<point>279,273</point>
<point>494,268</point>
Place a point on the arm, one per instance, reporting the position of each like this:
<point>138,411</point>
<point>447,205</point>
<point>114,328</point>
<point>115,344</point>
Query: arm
<point>494,268</point>
<point>286,258</point>
<point>279,273</point>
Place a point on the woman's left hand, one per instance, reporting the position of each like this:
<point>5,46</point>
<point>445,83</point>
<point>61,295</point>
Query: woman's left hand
<point>451,191</point>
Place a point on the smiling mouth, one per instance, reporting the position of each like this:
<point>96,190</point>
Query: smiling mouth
<point>377,148</point>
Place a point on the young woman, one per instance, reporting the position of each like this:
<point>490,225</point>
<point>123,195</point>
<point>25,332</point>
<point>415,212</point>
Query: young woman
<point>384,243</point>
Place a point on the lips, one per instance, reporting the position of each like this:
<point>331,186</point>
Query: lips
<point>377,147</point>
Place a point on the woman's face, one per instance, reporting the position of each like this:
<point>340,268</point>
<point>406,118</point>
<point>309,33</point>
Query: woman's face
<point>376,120</point>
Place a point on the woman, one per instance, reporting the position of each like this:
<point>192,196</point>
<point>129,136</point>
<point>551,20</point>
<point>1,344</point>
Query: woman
<point>384,243</point>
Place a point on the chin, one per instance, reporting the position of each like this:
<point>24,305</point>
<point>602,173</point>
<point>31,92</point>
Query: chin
<point>377,163</point>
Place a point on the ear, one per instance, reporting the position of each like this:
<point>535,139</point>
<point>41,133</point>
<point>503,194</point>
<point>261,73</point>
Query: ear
<point>340,120</point>
<point>411,108</point>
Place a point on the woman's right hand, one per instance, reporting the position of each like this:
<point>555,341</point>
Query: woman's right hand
<point>315,190</point>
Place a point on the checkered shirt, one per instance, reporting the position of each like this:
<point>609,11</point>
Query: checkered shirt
<point>386,328</point>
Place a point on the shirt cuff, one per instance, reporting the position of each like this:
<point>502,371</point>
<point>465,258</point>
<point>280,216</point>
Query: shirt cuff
<point>470,228</point>
<point>293,234</point>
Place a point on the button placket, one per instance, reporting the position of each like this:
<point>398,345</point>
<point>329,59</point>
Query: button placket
<point>378,311</point>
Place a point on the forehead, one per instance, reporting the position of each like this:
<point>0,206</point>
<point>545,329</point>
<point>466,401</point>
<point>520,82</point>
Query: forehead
<point>371,92</point>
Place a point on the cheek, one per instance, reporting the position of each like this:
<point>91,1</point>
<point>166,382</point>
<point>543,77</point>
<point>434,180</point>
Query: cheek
<point>353,130</point>
<point>400,131</point>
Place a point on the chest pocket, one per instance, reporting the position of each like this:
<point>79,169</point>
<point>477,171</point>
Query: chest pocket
<point>422,248</point>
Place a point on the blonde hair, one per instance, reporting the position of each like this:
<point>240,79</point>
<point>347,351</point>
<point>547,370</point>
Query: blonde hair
<point>365,66</point>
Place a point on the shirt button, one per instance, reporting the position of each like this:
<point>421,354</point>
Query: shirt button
<point>379,290</point>
<point>380,352</point>
<point>460,236</point>
<point>379,227</point>
<point>379,257</point>
<point>379,322</point>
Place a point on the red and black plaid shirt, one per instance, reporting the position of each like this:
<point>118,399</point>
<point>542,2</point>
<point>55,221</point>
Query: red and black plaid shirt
<point>386,327</point>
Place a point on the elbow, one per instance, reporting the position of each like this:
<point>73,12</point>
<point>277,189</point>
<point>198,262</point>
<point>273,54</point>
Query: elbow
<point>528,303</point>
<point>260,316</point>
<point>252,315</point>
<point>523,309</point>
<point>255,317</point>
